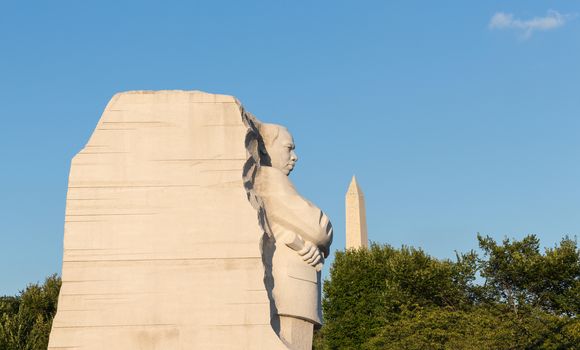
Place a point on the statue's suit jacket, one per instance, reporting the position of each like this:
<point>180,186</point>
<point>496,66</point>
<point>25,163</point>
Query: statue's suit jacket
<point>296,290</point>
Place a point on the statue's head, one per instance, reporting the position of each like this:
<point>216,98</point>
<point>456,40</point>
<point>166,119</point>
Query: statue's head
<point>279,147</point>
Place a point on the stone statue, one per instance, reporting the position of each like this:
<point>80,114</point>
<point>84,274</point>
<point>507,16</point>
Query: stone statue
<point>297,234</point>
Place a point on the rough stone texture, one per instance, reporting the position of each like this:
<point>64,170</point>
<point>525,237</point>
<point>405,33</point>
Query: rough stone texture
<point>356,217</point>
<point>161,247</point>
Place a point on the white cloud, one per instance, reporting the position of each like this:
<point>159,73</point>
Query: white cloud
<point>552,20</point>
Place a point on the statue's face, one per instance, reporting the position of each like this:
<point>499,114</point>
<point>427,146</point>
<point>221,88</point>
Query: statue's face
<point>281,152</point>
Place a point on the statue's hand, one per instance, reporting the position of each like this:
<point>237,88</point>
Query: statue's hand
<point>310,254</point>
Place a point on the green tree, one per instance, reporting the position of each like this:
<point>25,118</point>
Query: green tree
<point>370,289</point>
<point>476,328</point>
<point>386,298</point>
<point>517,274</point>
<point>26,319</point>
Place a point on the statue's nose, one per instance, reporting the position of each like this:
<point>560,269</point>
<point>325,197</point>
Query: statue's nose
<point>293,156</point>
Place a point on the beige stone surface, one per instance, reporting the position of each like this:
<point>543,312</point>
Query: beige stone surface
<point>356,217</point>
<point>161,247</point>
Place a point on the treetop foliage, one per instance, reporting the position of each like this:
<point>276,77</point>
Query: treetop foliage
<point>512,297</point>
<point>26,319</point>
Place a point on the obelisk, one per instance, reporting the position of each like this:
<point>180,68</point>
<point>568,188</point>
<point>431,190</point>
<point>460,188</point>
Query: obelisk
<point>356,219</point>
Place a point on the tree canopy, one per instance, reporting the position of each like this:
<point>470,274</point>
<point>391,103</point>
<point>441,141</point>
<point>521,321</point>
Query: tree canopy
<point>26,319</point>
<point>513,296</point>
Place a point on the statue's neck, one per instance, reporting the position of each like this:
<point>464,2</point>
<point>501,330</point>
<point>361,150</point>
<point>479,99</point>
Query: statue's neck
<point>273,180</point>
<point>272,171</point>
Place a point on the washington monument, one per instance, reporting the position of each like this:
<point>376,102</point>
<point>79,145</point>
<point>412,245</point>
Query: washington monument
<point>356,217</point>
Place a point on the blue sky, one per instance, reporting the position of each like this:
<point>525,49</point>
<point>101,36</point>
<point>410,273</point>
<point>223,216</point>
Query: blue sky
<point>457,117</point>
